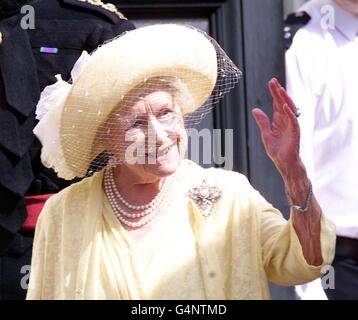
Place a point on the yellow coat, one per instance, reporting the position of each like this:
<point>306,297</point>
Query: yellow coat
<point>81,250</point>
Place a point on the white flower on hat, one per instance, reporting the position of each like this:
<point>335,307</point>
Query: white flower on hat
<point>48,111</point>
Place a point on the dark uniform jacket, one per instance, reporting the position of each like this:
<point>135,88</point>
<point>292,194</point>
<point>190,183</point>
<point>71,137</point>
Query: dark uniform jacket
<point>70,26</point>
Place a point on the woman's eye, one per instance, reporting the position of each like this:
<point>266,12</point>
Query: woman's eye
<point>139,123</point>
<point>166,111</point>
<point>166,114</point>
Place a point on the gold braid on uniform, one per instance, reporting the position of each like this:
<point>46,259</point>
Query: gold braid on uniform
<point>108,6</point>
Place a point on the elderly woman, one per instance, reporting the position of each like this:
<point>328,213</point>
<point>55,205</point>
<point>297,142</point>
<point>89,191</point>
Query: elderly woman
<point>145,223</point>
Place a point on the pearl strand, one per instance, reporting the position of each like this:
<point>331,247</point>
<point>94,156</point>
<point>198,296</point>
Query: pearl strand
<point>136,224</point>
<point>120,212</point>
<point>111,196</point>
<point>156,199</point>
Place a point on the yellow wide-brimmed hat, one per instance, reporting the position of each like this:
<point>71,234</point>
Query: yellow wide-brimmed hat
<point>161,51</point>
<point>117,67</point>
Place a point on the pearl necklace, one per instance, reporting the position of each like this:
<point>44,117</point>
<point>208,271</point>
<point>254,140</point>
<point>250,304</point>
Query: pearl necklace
<point>156,199</point>
<point>147,215</point>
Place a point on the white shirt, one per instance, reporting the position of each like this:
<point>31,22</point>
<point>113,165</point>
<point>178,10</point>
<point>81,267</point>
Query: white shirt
<point>322,79</point>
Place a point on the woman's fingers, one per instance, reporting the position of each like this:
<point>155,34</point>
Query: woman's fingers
<point>273,92</point>
<point>278,100</point>
<point>262,121</point>
<point>284,97</point>
<point>292,116</point>
<point>288,100</point>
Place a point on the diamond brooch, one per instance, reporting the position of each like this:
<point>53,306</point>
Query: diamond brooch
<point>205,197</point>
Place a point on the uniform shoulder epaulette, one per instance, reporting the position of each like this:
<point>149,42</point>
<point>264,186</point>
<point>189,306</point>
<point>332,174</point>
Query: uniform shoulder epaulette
<point>293,23</point>
<point>108,6</point>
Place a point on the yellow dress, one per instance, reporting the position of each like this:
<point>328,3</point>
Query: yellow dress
<point>81,250</point>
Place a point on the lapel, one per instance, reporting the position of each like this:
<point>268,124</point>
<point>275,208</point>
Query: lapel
<point>18,67</point>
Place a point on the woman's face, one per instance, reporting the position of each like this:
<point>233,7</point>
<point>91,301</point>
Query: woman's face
<point>148,136</point>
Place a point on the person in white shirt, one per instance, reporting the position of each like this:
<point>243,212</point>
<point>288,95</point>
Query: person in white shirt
<point>322,72</point>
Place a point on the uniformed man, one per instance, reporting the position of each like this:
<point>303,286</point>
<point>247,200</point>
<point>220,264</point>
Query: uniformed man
<point>322,68</point>
<point>31,54</point>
